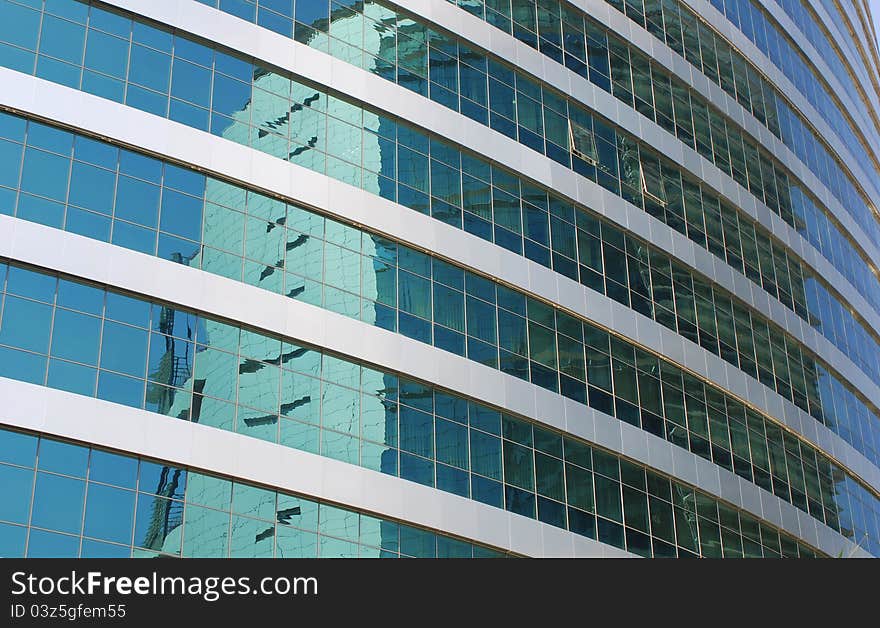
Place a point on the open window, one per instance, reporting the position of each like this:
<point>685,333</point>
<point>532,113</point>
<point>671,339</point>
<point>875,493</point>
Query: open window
<point>652,182</point>
<point>583,143</point>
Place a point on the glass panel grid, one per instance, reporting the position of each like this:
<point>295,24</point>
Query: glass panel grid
<point>181,215</point>
<point>148,509</point>
<point>296,131</point>
<point>232,378</point>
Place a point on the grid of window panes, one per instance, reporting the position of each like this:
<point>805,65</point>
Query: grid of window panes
<point>676,24</point>
<point>853,43</point>
<point>396,161</point>
<point>95,342</point>
<point>181,215</point>
<point>293,130</point>
<point>751,19</point>
<point>63,500</point>
<point>458,77</point>
<point>467,201</point>
<point>630,76</point>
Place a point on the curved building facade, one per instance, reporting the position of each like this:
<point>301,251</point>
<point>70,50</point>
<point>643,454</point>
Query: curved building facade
<point>291,278</point>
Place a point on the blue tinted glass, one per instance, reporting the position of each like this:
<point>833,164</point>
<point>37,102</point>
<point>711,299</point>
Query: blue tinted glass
<point>45,174</point>
<point>185,180</point>
<point>161,480</point>
<point>487,491</point>
<point>103,86</point>
<point>58,503</point>
<point>26,324</point>
<point>416,431</point>
<point>135,238</point>
<point>192,51</point>
<point>7,202</point>
<point>76,337</point>
<point>233,66</point>
<point>62,39</point>
<point>43,544</point>
<point>128,310</point>
<point>157,522</point>
<point>312,12</point>
<point>191,82</point>
<point>417,543</point>
<point>12,127</point>
<point>63,458</point>
<point>416,469</point>
<point>18,448</point>
<point>453,480</point>
<point>92,188</point>
<point>109,22</point>
<point>207,533</point>
<point>181,215</point>
<point>100,523</point>
<point>137,201</point>
<point>49,138</point>
<point>31,284</point>
<point>151,36</point>
<point>97,549</point>
<point>19,25</point>
<point>40,210</point>
<point>12,538</point>
<point>87,224</point>
<point>106,54</point>
<point>121,389</point>
<point>19,365</point>
<point>113,469</point>
<point>17,486</point>
<point>140,166</point>
<point>59,71</point>
<point>146,100</point>
<point>71,377</point>
<point>95,152</point>
<point>149,68</point>
<point>73,11</point>
<point>230,96</point>
<point>124,349</point>
<point>82,297</point>
<point>10,163</point>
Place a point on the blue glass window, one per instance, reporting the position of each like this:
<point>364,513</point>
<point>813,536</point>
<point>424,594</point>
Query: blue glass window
<point>26,324</point>
<point>45,174</point>
<point>76,337</point>
<point>42,544</point>
<point>12,539</point>
<point>109,513</point>
<point>124,349</point>
<point>58,503</point>
<point>17,489</point>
